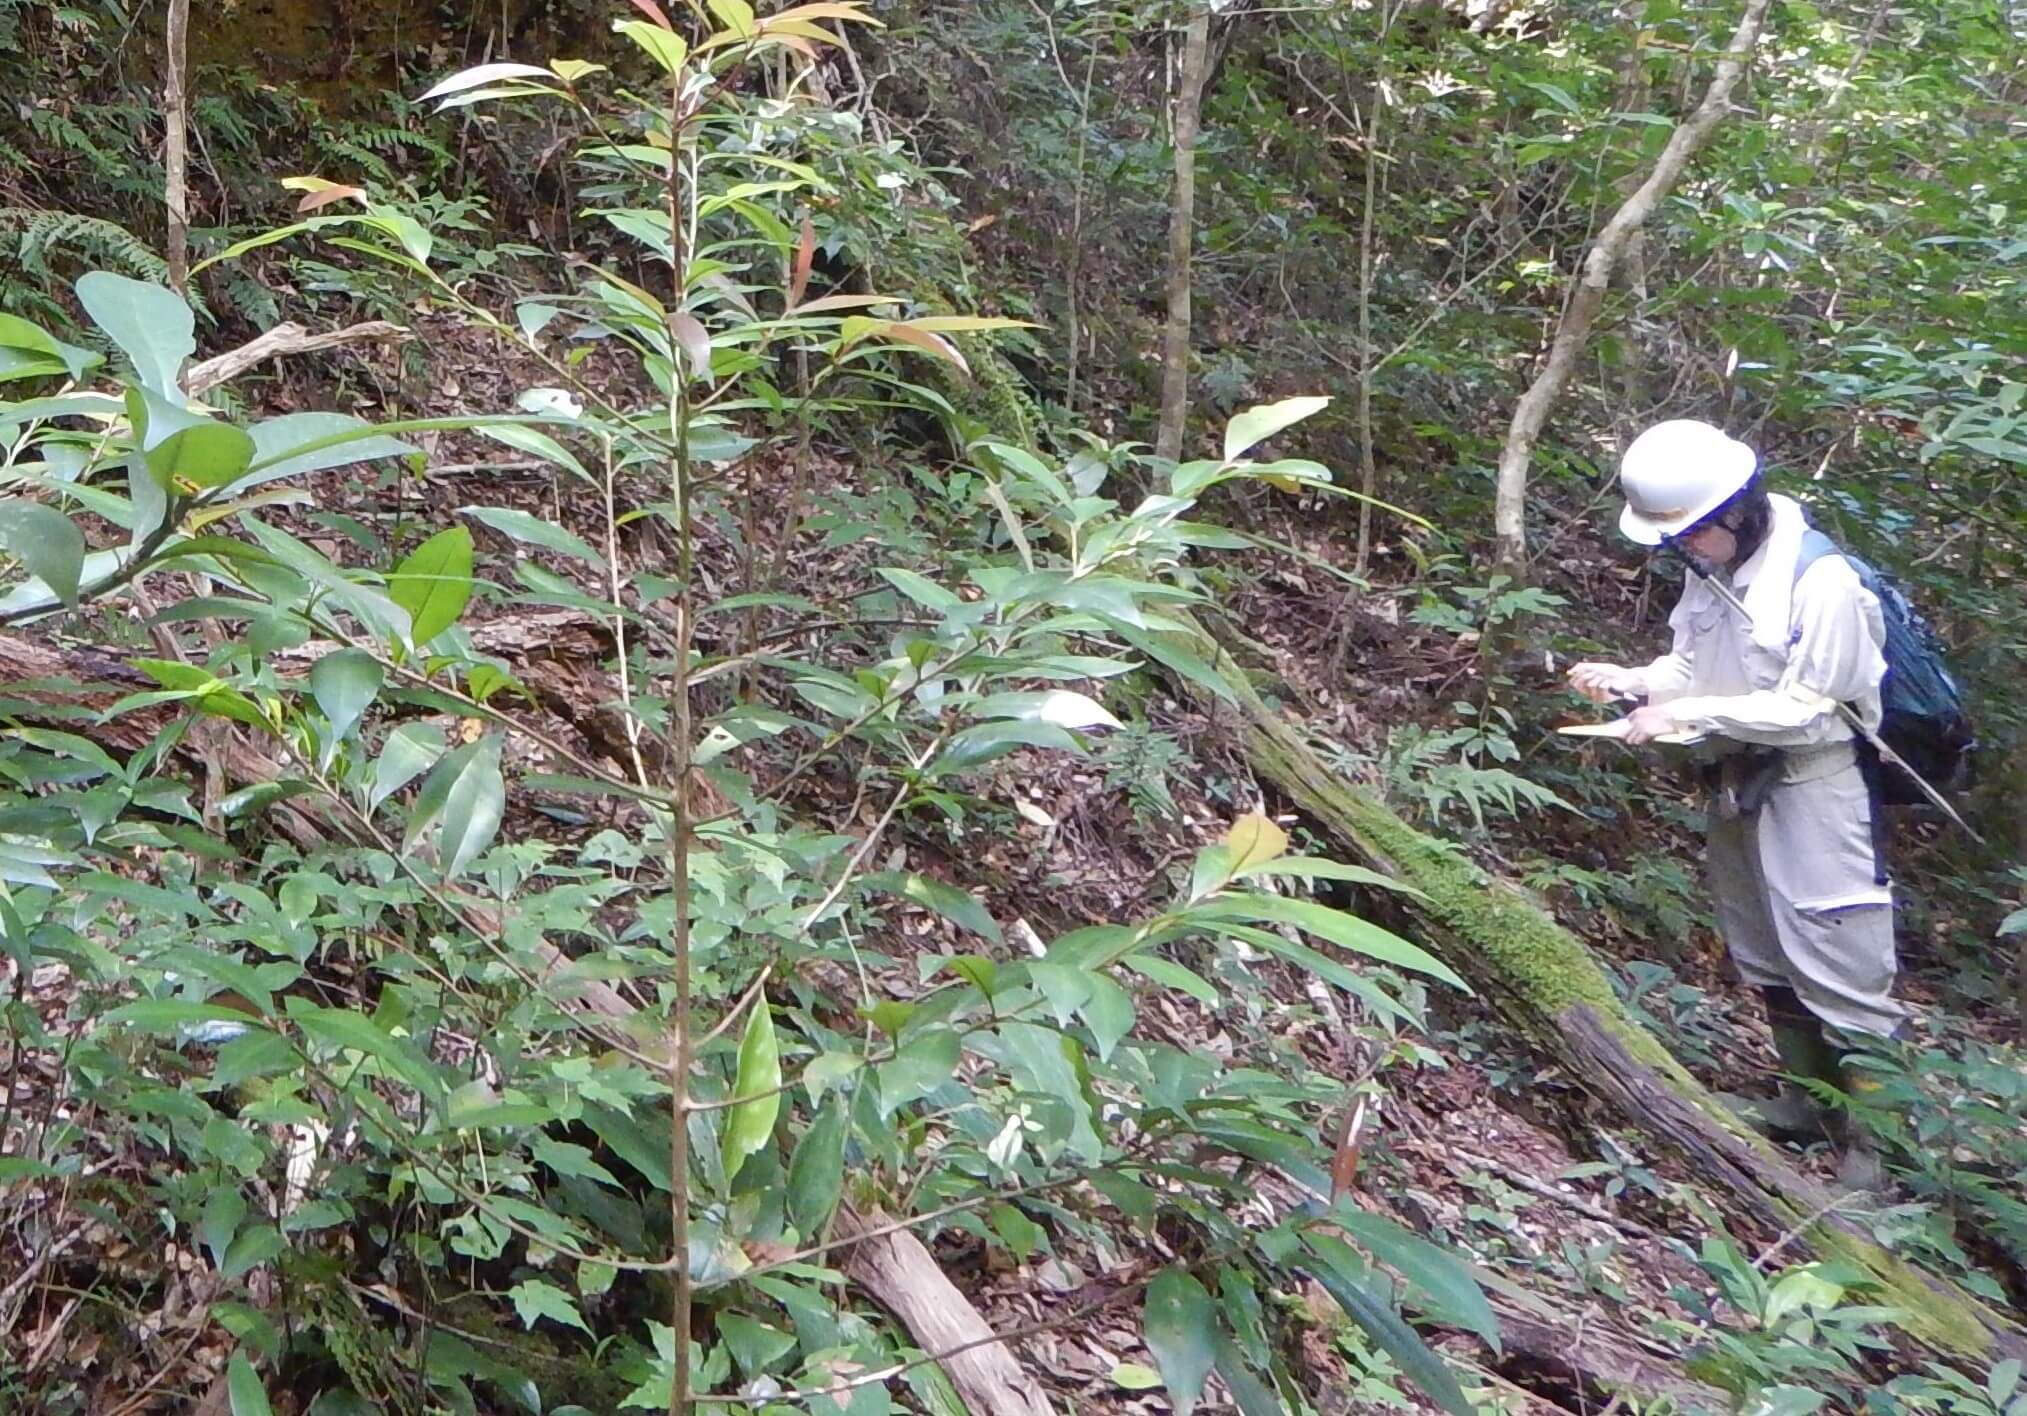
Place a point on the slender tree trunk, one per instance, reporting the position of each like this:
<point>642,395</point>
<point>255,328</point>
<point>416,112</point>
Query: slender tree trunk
<point>1074,266</point>
<point>1181,222</point>
<point>1530,414</point>
<point>1368,462</point>
<point>176,147</point>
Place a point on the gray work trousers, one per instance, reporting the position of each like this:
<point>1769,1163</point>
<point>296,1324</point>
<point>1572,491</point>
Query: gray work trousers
<point>1799,895</point>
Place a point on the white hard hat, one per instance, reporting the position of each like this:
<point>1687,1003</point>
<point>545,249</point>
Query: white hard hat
<point>1675,474</point>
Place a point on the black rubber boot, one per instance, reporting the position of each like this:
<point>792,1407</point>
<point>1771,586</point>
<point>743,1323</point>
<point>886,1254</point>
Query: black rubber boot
<point>1804,1053</point>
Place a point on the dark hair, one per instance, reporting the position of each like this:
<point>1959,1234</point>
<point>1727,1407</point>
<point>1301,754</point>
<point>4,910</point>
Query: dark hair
<point>1747,514</point>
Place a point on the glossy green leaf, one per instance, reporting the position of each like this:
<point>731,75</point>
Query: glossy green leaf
<point>151,323</point>
<point>816,1173</point>
<point>46,542</point>
<point>1344,930</point>
<point>298,443</point>
<point>410,750</point>
<point>473,806</point>
<point>344,1028</point>
<point>434,583</point>
<point>345,683</point>
<point>541,445</point>
<point>203,455</point>
<point>533,531</point>
<point>1180,1324</point>
<point>750,1125</point>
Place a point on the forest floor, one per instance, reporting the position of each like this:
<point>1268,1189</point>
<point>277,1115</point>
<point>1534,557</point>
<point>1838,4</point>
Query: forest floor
<point>1582,1233</point>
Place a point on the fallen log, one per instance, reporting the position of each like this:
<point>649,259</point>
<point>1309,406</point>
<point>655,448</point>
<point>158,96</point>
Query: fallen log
<point>1550,985</point>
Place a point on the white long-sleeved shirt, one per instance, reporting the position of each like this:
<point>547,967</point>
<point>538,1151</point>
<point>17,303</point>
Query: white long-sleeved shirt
<point>1742,677</point>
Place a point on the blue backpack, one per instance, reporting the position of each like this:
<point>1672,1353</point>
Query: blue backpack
<point>1924,720</point>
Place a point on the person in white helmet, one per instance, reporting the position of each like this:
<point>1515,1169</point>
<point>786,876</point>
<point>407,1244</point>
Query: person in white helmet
<point>1801,892</point>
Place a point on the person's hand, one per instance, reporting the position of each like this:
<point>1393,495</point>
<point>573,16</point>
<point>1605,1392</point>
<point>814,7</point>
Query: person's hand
<point>1601,683</point>
<point>1646,724</point>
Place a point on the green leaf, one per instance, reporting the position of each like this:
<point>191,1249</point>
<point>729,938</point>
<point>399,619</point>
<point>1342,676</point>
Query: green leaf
<point>533,531</point>
<point>1253,1396</point>
<point>1135,1377</point>
<point>816,1174</point>
<point>252,1248</point>
<point>410,750</point>
<point>534,1299</point>
<point>924,1063</point>
<point>204,455</point>
<point>663,46</point>
<point>751,1125</point>
<point>151,323</point>
<point>1440,1277</point>
<point>539,445</point>
<point>343,1028</point>
<point>212,695</point>
<point>957,906</point>
<point>45,541</point>
<point>472,809</point>
<point>166,1015</point>
<point>1180,1325</point>
<point>920,589</point>
<point>1262,421</point>
<point>224,1208</point>
<point>434,583</point>
<point>1345,1278</point>
<point>344,683</point>
<point>299,443</point>
<point>243,1387</point>
<point>1344,930</point>
<point>1058,707</point>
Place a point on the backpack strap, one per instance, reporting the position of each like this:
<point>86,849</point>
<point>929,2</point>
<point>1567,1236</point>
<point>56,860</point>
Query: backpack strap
<point>1815,546</point>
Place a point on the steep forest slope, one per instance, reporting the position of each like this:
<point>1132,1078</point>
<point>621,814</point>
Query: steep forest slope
<point>628,784</point>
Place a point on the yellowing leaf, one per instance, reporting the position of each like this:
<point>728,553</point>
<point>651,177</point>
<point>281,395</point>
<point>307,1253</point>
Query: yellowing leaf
<point>571,70</point>
<point>966,324</point>
<point>735,15</point>
<point>663,46</point>
<point>751,1125</point>
<point>1254,840</point>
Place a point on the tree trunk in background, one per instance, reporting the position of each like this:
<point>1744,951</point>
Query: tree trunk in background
<point>1530,414</point>
<point>176,146</point>
<point>1181,223</point>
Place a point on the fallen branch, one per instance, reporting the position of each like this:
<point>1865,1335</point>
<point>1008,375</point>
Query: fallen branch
<point>904,1277</point>
<point>284,339</point>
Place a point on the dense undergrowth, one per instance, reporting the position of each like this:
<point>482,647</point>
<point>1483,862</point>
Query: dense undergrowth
<point>532,839</point>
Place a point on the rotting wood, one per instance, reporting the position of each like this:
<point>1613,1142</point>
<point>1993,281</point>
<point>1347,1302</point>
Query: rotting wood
<point>1550,985</point>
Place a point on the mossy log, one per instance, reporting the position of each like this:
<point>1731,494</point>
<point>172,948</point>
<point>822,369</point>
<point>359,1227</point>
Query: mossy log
<point>1547,981</point>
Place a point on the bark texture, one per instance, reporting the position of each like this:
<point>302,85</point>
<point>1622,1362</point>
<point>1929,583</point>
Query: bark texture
<point>1181,224</point>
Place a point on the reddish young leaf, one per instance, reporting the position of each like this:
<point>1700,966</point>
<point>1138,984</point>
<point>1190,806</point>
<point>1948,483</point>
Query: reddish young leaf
<point>805,256</point>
